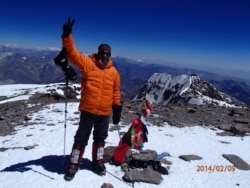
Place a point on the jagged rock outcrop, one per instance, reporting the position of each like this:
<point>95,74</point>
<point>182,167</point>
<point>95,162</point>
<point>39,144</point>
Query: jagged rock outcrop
<point>166,89</point>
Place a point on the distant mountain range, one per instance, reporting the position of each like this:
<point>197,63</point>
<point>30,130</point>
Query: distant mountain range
<point>36,66</point>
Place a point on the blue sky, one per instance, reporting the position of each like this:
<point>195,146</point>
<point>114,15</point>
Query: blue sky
<point>203,34</point>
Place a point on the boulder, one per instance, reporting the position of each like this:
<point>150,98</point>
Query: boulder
<point>190,157</point>
<point>237,161</point>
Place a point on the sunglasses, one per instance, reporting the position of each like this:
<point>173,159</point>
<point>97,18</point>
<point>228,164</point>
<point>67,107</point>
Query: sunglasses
<point>108,54</point>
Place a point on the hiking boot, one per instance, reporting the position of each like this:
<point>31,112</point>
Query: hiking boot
<point>75,160</point>
<point>97,157</point>
<point>70,174</point>
<point>99,167</point>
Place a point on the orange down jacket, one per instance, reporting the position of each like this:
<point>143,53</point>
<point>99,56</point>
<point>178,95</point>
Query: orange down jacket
<point>100,86</point>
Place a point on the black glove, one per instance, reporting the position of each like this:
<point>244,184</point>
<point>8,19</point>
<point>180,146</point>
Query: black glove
<point>69,72</point>
<point>61,59</point>
<point>67,27</point>
<point>117,110</point>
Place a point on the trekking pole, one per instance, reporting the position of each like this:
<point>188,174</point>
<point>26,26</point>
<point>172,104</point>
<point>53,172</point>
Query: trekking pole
<point>65,117</point>
<point>70,74</point>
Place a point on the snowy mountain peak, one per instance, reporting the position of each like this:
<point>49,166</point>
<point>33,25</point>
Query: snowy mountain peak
<point>165,89</point>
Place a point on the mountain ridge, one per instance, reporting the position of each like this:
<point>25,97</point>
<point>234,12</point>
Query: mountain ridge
<point>36,66</point>
<point>184,89</point>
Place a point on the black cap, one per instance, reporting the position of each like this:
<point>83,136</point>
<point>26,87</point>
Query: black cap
<point>104,47</point>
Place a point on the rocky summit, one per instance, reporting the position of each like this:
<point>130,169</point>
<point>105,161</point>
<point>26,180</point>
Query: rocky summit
<point>232,121</point>
<point>167,89</point>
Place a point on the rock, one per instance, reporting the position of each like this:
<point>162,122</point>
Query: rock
<point>26,118</point>
<point>30,147</point>
<point>147,175</point>
<point>225,133</point>
<point>146,155</point>
<point>3,149</point>
<point>190,157</point>
<point>107,185</point>
<point>108,153</point>
<point>224,142</point>
<point>235,111</point>
<point>225,127</point>
<point>242,120</point>
<point>166,162</point>
<point>237,161</point>
<point>241,128</point>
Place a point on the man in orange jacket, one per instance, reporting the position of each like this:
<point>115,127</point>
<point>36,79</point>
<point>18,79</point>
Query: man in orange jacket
<point>100,96</point>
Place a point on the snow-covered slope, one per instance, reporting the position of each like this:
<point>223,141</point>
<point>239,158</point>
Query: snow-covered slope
<point>33,156</point>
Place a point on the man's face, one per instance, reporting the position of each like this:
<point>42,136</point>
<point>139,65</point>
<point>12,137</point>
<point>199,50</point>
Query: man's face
<point>104,56</point>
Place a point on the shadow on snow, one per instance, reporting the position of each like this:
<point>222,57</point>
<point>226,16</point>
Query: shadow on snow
<point>52,163</point>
